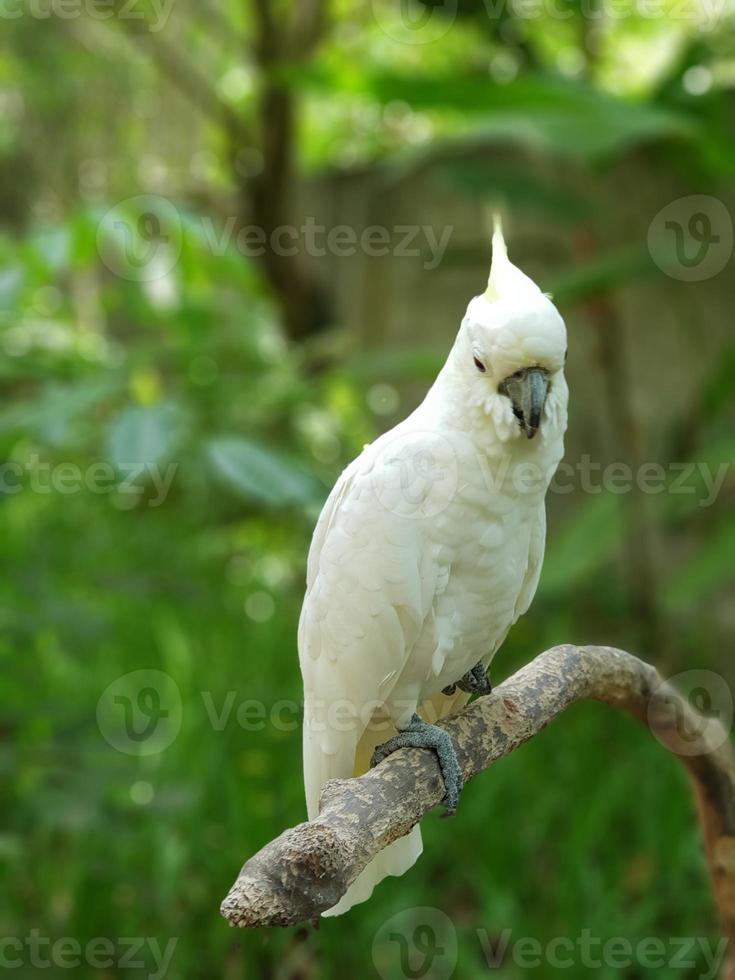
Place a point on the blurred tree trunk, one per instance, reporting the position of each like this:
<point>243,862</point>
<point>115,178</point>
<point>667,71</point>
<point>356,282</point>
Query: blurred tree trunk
<point>639,546</point>
<point>642,572</point>
<point>267,199</point>
<point>282,41</point>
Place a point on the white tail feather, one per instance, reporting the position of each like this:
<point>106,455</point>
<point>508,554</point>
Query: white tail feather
<point>352,760</point>
<point>395,859</point>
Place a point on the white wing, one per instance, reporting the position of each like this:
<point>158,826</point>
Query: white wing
<point>371,581</point>
<point>536,547</point>
<point>370,588</point>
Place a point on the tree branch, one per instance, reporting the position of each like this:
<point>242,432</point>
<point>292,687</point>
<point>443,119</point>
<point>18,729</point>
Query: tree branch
<point>309,867</point>
<point>308,27</point>
<point>184,75</point>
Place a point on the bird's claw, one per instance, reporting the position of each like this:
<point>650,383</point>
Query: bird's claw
<point>419,734</point>
<point>475,681</point>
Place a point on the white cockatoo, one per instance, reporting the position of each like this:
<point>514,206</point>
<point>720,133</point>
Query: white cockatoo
<point>430,547</point>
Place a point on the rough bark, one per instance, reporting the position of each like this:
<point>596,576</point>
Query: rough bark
<point>308,868</point>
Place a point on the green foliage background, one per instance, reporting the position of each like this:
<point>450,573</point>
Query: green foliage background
<point>590,826</point>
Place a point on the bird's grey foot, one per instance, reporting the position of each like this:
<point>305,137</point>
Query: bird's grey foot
<point>419,734</point>
<point>475,681</point>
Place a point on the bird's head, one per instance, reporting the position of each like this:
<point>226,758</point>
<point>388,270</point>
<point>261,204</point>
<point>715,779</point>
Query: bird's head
<point>512,347</point>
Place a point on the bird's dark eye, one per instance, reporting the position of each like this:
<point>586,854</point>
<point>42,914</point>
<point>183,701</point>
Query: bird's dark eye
<point>566,352</point>
<point>479,365</point>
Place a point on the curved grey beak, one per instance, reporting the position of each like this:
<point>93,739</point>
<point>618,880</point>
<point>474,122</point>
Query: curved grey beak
<point>527,390</point>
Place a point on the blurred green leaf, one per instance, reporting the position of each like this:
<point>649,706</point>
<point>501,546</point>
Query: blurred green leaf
<point>602,274</point>
<point>260,474</point>
<point>416,363</point>
<point>582,546</point>
<point>517,189</point>
<point>717,394</point>
<point>53,246</point>
<point>567,117</point>
<point>705,477</point>
<point>11,282</point>
<point>145,436</point>
<point>709,568</point>
<point>50,416</point>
